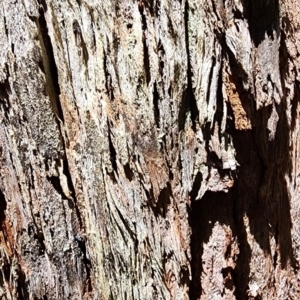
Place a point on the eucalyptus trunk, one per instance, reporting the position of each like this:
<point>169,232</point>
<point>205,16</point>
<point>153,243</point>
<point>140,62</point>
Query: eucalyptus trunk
<point>149,149</point>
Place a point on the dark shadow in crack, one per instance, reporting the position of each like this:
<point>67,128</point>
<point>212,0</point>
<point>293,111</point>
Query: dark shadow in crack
<point>260,192</point>
<point>213,207</point>
<point>263,18</point>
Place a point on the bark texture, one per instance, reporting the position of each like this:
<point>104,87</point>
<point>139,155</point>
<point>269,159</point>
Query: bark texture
<point>149,149</point>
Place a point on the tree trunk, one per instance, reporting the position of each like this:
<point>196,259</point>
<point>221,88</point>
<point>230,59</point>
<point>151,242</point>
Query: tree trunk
<point>149,149</point>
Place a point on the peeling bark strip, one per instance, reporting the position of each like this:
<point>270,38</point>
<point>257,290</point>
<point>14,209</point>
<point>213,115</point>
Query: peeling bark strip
<point>149,149</point>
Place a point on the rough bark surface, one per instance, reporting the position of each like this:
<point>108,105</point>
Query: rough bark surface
<point>149,149</point>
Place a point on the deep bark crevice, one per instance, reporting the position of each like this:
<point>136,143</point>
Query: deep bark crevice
<point>108,81</point>
<point>188,103</point>
<point>66,171</point>
<point>246,202</point>
<point>3,206</point>
<point>145,46</point>
<point>263,19</point>
<point>44,4</point>
<point>52,81</point>
<point>5,26</point>
<point>125,223</point>
<point>211,208</point>
<point>128,172</point>
<point>5,91</point>
<point>163,201</point>
<point>156,105</point>
<point>148,4</point>
<point>55,182</point>
<point>39,236</point>
<point>196,186</point>
<point>183,109</point>
<point>22,286</point>
<point>86,261</point>
<point>113,154</point>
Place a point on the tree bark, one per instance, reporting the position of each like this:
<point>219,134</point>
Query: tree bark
<point>149,149</point>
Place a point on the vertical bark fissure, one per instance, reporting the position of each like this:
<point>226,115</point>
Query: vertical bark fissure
<point>156,100</point>
<point>53,91</point>
<point>145,46</point>
<point>52,81</point>
<point>189,102</point>
<point>5,90</point>
<point>108,79</point>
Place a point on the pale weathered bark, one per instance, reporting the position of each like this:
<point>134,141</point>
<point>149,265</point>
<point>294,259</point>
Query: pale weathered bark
<point>149,149</point>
